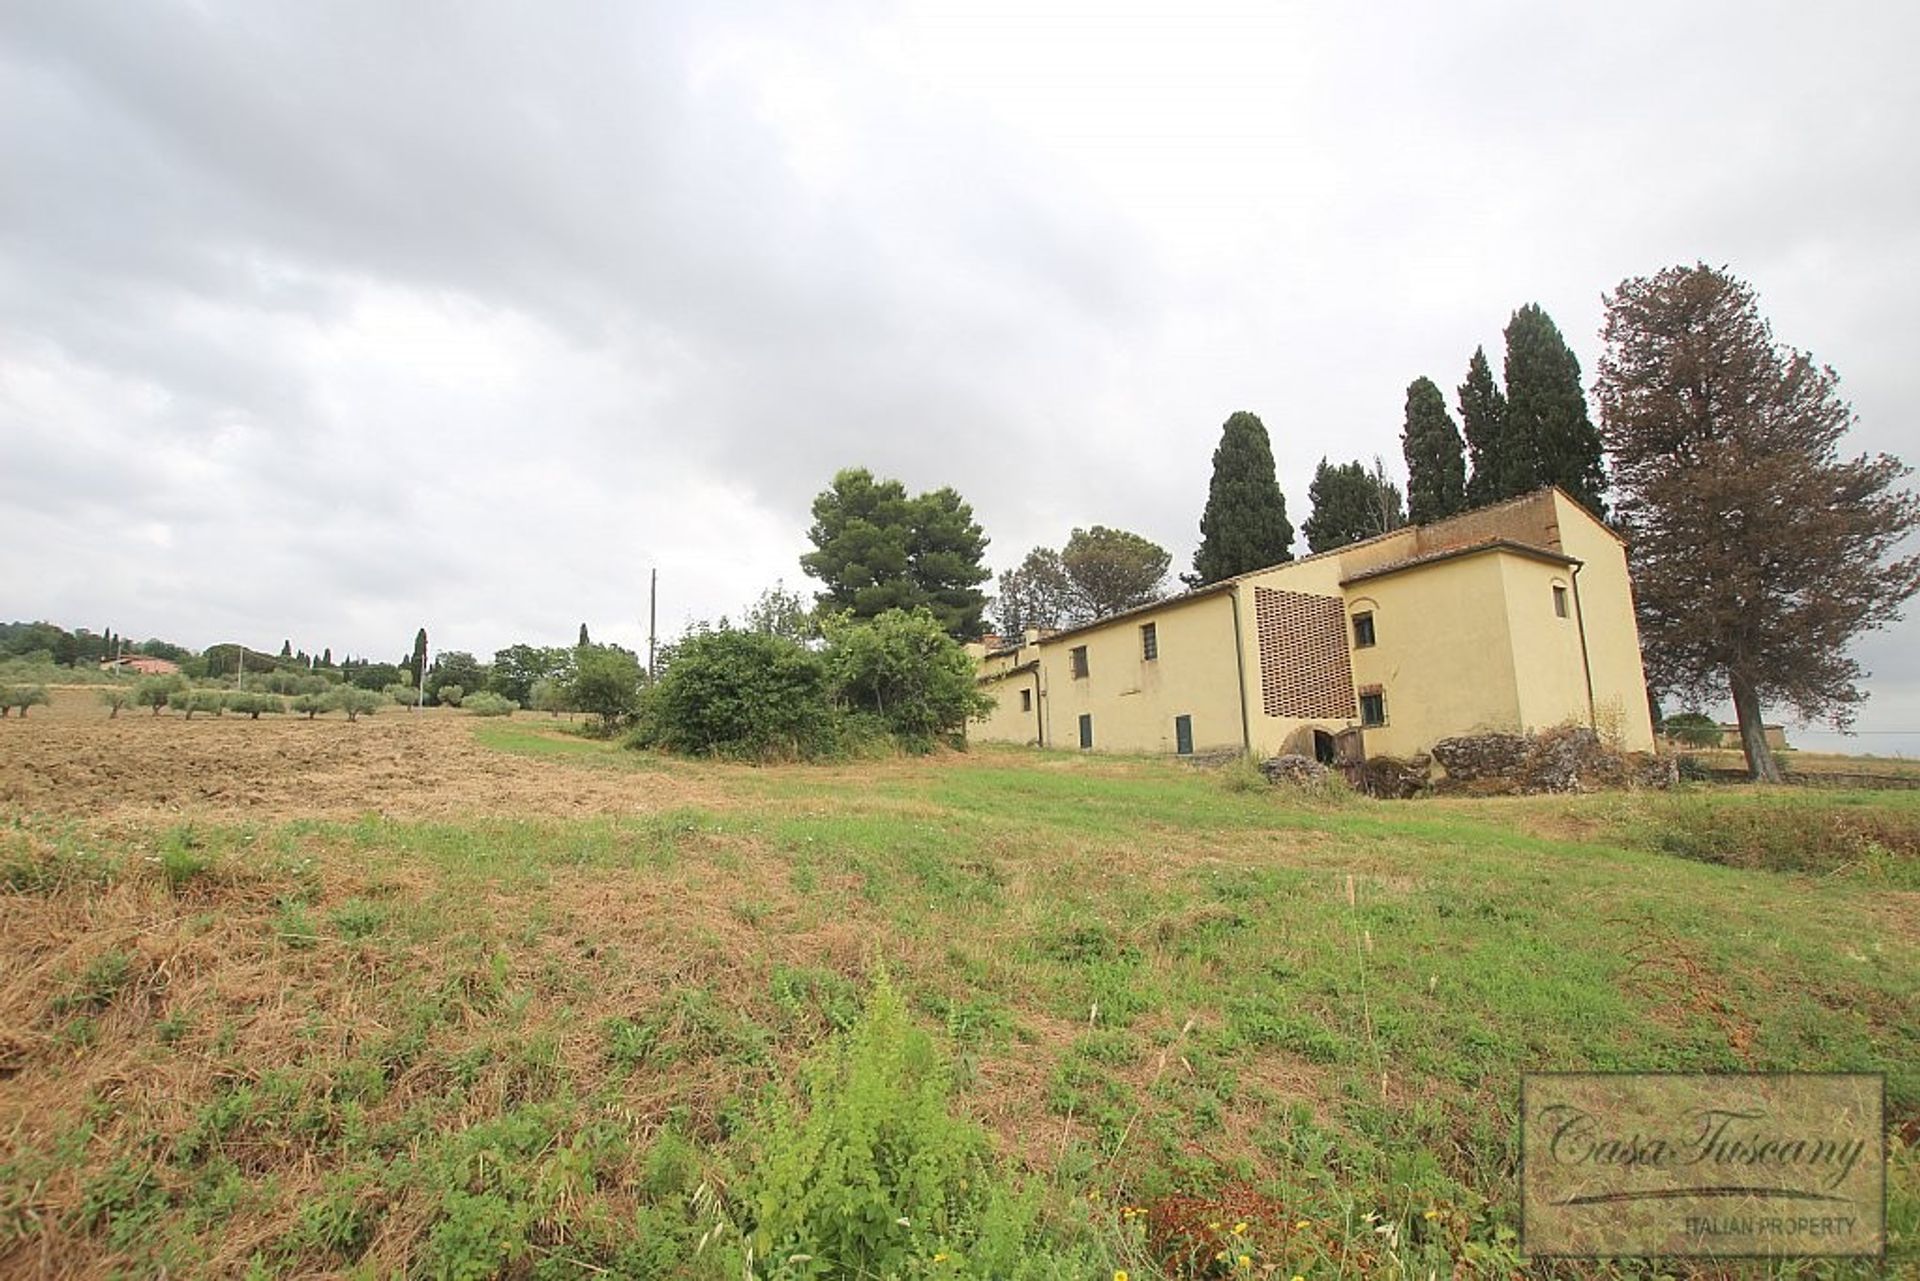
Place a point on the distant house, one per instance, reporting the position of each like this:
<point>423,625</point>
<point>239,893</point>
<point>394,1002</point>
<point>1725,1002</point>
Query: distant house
<point>1515,617</point>
<point>1776,736</point>
<point>140,665</point>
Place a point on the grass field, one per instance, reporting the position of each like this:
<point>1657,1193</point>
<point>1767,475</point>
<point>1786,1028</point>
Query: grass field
<point>440,996</point>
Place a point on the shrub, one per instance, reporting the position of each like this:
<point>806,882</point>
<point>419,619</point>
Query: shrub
<point>115,697</point>
<point>313,704</point>
<point>405,695</point>
<point>1695,729</point>
<point>156,691</point>
<point>740,694</point>
<point>606,683</point>
<point>356,702</point>
<point>551,696</point>
<point>251,704</point>
<point>488,703</point>
<point>23,697</point>
<point>906,670</point>
<point>876,1175</point>
<point>205,701</point>
<point>450,695</point>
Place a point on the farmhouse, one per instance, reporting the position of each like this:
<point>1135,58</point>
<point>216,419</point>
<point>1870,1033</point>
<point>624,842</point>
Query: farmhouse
<point>1513,617</point>
<point>140,665</point>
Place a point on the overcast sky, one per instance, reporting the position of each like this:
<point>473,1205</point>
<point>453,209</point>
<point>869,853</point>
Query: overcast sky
<point>324,322</point>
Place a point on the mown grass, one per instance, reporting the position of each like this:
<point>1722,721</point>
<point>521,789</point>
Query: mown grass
<point>548,1047</point>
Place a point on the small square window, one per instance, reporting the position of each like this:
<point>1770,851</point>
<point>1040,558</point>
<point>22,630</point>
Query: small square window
<point>1373,709</point>
<point>1559,600</point>
<point>1077,661</point>
<point>1026,700</point>
<point>1363,631</point>
<point>1149,642</point>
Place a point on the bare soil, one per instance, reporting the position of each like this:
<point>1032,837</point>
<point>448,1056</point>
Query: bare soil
<point>71,759</point>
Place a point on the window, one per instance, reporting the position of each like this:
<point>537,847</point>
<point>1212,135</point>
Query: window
<point>1077,662</point>
<point>1149,642</point>
<point>1026,700</point>
<point>1559,600</point>
<point>1363,631</point>
<point>1373,709</point>
<point>1183,735</point>
<point>1086,731</point>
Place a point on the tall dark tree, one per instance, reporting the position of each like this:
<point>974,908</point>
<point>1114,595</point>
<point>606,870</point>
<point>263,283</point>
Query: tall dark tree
<point>1037,593</point>
<point>286,649</point>
<point>418,665</point>
<point>1436,458</point>
<point>1483,420</point>
<point>876,549</point>
<point>326,657</point>
<point>1547,412</point>
<point>1350,503</point>
<point>1759,553</point>
<point>1113,569</point>
<point>946,556</point>
<point>1244,526</point>
<point>585,640</point>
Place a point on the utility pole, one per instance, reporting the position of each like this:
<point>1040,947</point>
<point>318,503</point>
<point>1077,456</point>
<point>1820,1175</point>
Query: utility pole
<point>653,618</point>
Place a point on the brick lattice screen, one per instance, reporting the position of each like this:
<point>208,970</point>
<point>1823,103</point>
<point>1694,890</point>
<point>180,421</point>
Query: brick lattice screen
<point>1303,655</point>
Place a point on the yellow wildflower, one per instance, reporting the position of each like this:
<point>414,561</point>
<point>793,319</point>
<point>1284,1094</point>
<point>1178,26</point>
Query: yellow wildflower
<point>1431,1215</point>
<point>940,1257</point>
<point>1301,1226</point>
<point>1244,1261</point>
<point>1213,1227</point>
<point>1120,1275</point>
<point>1239,1229</point>
<point>1221,1257</point>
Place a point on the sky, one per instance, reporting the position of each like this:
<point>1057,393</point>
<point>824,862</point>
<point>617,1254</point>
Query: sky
<point>324,323</point>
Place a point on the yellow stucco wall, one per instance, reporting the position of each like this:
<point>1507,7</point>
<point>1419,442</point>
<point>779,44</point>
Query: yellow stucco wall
<point>1443,654</point>
<point>1013,719</point>
<point>1613,636</point>
<point>1550,674</point>
<point>1133,700</point>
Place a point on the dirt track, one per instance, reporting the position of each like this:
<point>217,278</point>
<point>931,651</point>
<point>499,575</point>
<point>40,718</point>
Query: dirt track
<point>70,759</point>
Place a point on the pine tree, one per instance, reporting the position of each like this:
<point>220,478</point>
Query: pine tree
<point>1436,458</point>
<point>876,549</point>
<point>1758,552</point>
<point>1244,526</point>
<point>1483,419</point>
<point>1547,418</point>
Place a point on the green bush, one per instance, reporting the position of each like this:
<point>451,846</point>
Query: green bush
<point>1695,729</point>
<point>251,704</point>
<point>743,695</point>
<point>488,703</point>
<point>606,683</point>
<point>312,705</point>
<point>356,702</point>
<point>872,1175</point>
<point>209,702</point>
<point>450,695</point>
<point>904,669</point>
<point>22,697</point>
<point>157,691</point>
<point>405,695</point>
<point>551,696</point>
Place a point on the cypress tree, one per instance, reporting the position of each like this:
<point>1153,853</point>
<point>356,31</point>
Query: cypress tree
<point>1547,414</point>
<point>419,659</point>
<point>1436,458</point>
<point>1244,526</point>
<point>584,640</point>
<point>326,657</point>
<point>1483,415</point>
